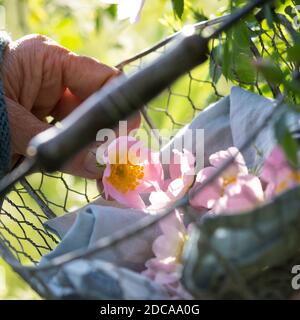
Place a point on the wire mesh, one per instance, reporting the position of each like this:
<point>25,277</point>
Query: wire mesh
<point>42,196</point>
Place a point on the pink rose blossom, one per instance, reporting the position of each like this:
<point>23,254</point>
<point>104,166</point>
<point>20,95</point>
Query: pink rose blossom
<point>182,176</point>
<point>130,170</point>
<point>166,267</point>
<point>243,195</point>
<point>278,174</point>
<point>234,190</point>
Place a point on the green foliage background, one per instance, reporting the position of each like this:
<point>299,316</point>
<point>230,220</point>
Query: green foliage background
<point>90,28</point>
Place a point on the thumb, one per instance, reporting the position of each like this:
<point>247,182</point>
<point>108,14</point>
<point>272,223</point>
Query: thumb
<point>24,126</point>
<point>84,164</point>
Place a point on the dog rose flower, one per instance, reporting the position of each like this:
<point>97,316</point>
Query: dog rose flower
<point>182,176</point>
<point>234,190</point>
<point>166,267</point>
<point>131,169</point>
<point>278,174</point>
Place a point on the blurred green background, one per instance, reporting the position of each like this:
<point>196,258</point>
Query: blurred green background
<point>89,27</point>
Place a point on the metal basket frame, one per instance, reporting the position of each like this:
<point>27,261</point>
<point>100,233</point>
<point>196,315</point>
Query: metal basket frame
<point>14,252</point>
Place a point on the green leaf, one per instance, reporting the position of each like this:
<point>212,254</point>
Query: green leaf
<point>178,7</point>
<point>215,63</point>
<point>293,86</point>
<point>98,16</point>
<point>244,70</point>
<point>268,15</point>
<point>112,10</point>
<point>227,57</point>
<point>199,15</point>
<point>294,53</point>
<point>237,56</point>
<point>286,140</point>
<point>241,36</point>
<point>290,11</point>
<point>290,147</point>
<point>270,71</point>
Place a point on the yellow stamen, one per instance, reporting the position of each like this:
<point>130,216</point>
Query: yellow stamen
<point>125,177</point>
<point>228,181</point>
<point>179,250</point>
<point>282,186</point>
<point>294,176</point>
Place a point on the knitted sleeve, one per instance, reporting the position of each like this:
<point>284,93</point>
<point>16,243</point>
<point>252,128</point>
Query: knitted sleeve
<point>5,153</point>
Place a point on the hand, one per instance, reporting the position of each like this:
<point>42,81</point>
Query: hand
<point>43,79</point>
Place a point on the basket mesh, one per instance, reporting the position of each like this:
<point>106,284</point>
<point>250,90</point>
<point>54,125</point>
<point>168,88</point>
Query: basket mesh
<point>42,196</point>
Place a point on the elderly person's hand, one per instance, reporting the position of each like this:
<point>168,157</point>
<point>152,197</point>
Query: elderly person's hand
<point>42,79</point>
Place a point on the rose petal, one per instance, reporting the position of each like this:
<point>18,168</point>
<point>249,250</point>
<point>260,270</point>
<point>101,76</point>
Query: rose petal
<point>245,194</point>
<point>182,164</point>
<point>177,189</point>
<point>130,199</point>
<point>273,166</point>
<point>208,196</point>
<point>172,222</point>
<point>237,168</point>
<point>158,200</point>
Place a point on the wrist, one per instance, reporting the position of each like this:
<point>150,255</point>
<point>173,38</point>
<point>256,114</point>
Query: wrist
<point>5,151</point>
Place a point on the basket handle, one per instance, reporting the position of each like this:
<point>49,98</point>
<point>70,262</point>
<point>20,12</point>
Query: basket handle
<point>51,149</point>
<point>125,96</point>
<point>54,147</point>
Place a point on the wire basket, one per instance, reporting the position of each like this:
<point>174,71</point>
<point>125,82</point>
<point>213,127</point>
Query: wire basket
<point>42,196</point>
